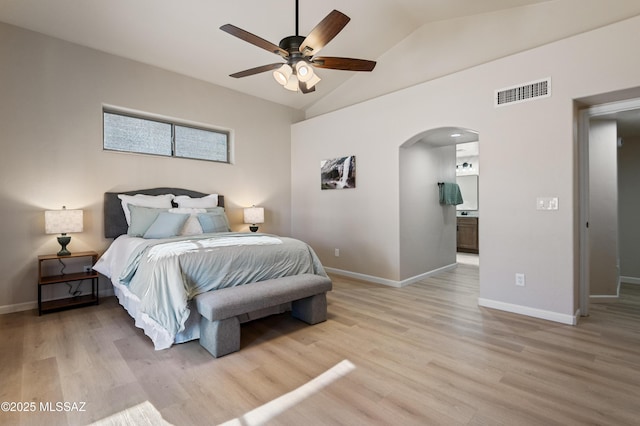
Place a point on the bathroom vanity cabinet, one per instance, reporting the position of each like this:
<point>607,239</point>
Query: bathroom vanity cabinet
<point>467,234</point>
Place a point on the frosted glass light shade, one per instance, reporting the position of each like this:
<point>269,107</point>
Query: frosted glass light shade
<point>313,81</point>
<point>292,84</point>
<point>254,215</point>
<point>63,221</point>
<point>304,71</point>
<point>282,74</point>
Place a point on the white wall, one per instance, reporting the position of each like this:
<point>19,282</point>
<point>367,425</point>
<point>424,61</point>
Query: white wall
<point>427,229</point>
<point>529,150</point>
<point>603,208</point>
<point>51,121</point>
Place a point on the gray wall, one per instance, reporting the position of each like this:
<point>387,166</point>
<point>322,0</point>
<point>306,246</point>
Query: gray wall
<point>427,229</point>
<point>52,94</point>
<point>629,207</point>
<point>517,167</point>
<point>603,208</point>
<point>447,46</point>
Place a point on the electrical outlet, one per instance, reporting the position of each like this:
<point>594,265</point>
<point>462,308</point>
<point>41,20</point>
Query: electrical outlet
<point>336,253</point>
<point>520,281</point>
<point>87,268</point>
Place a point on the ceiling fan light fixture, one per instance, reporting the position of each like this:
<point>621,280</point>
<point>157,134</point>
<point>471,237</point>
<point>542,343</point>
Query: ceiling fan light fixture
<point>299,52</point>
<point>312,81</point>
<point>292,84</point>
<point>282,75</point>
<point>304,71</point>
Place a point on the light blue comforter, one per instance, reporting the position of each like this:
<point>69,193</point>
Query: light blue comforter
<point>166,274</point>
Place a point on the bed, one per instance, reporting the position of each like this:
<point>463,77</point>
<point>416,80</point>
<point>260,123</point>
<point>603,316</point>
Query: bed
<point>171,245</point>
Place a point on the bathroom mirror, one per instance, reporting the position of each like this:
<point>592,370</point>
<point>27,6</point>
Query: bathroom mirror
<point>469,189</point>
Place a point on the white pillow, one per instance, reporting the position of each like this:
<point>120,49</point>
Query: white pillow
<point>192,225</point>
<point>206,202</point>
<point>155,201</point>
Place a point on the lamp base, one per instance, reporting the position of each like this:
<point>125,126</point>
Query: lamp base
<point>253,228</point>
<point>64,241</point>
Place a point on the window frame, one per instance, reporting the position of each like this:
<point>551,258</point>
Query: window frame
<point>173,123</point>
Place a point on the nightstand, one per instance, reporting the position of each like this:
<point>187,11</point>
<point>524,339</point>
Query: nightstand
<point>70,302</point>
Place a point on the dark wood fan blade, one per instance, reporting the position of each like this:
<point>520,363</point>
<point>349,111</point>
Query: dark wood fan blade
<point>256,70</point>
<point>346,64</point>
<point>324,32</point>
<point>254,39</point>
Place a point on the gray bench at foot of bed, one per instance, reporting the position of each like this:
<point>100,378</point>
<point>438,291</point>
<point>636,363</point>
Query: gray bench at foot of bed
<point>220,326</point>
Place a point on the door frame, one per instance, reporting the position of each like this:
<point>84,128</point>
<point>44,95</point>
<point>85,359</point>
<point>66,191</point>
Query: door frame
<point>584,118</point>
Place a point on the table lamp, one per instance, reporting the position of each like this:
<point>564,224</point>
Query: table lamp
<point>63,222</point>
<point>253,215</point>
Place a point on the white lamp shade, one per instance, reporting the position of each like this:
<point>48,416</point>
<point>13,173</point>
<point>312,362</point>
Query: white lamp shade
<point>313,81</point>
<point>282,74</point>
<point>254,215</point>
<point>304,71</point>
<point>292,84</point>
<point>63,221</point>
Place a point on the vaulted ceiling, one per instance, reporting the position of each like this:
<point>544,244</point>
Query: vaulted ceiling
<point>184,36</point>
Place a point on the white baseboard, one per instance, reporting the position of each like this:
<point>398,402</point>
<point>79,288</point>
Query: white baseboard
<point>27,306</point>
<point>428,274</point>
<point>363,277</point>
<point>385,281</point>
<point>18,307</point>
<point>606,298</point>
<point>630,280</point>
<point>530,312</point>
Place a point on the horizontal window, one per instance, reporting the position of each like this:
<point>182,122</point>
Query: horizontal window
<point>137,134</point>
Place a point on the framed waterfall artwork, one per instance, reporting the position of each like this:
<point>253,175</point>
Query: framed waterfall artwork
<point>338,173</point>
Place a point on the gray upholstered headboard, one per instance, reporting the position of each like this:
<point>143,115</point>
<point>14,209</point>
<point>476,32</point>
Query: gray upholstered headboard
<point>115,223</point>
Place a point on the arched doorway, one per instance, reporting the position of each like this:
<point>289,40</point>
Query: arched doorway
<point>428,230</point>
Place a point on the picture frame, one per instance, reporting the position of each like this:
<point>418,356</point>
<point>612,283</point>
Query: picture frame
<point>338,173</point>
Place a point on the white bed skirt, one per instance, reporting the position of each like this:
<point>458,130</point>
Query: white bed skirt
<point>160,337</point>
<point>111,265</point>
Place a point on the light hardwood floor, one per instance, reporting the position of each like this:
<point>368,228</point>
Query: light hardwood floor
<point>423,354</point>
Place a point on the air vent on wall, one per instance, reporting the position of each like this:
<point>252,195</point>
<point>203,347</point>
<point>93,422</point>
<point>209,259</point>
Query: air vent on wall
<point>523,92</point>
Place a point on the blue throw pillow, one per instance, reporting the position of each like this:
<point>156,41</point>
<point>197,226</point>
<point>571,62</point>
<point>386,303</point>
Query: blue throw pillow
<point>141,219</point>
<point>166,225</point>
<point>215,221</point>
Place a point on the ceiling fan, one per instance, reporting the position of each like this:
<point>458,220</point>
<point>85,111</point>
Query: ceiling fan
<point>299,52</point>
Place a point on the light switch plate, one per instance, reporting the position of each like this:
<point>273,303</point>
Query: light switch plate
<point>547,203</point>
